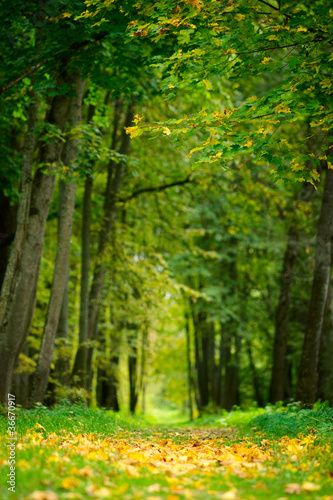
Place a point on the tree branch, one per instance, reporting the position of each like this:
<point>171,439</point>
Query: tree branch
<point>75,46</point>
<point>16,80</point>
<point>154,189</point>
<point>274,8</point>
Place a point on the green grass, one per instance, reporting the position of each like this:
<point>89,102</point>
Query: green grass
<point>42,466</point>
<point>77,418</point>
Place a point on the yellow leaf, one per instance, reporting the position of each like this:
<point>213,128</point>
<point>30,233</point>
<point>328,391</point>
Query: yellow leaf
<point>70,483</point>
<point>154,487</point>
<point>67,14</point>
<point>166,131</point>
<point>301,29</point>
<point>329,165</point>
<point>293,488</point>
<point>23,464</point>
<point>131,130</point>
<point>102,493</point>
<point>38,426</point>
<point>97,455</point>
<point>229,495</point>
<point>252,98</point>
<point>266,60</point>
<point>207,84</point>
<point>137,119</point>
<point>171,86</point>
<point>86,471</point>
<point>43,495</point>
<point>272,37</point>
<point>308,486</point>
<point>240,17</point>
<point>248,144</point>
<point>282,109</point>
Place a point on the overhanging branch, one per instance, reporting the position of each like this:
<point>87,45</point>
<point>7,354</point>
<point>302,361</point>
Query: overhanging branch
<point>155,189</point>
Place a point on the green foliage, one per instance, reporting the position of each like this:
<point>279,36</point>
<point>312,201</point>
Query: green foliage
<point>295,420</point>
<point>66,416</point>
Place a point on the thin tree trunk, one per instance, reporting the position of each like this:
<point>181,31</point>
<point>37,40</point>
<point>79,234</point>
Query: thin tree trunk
<point>23,288</point>
<point>189,365</point>
<point>79,374</point>
<point>277,385</point>
<point>255,379</point>
<point>62,365</point>
<point>231,392</point>
<point>220,368</point>
<point>132,367</point>
<point>142,385</point>
<point>308,373</point>
<point>41,375</point>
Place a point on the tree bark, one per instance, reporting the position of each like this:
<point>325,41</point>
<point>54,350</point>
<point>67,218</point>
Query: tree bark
<point>23,212</point>
<point>277,385</point>
<point>132,339</point>
<point>114,182</point>
<point>231,389</point>
<point>79,374</point>
<point>8,222</point>
<point>308,373</point>
<point>325,369</point>
<point>255,379</point>
<point>62,368</point>
<point>23,287</point>
<point>189,365</point>
<point>40,379</point>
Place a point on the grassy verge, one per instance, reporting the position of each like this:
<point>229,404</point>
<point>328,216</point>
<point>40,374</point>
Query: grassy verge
<point>77,453</point>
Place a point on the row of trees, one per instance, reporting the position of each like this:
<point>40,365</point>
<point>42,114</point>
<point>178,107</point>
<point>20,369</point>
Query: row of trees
<point>122,247</point>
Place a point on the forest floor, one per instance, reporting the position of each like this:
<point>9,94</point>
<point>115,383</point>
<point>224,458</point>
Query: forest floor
<point>76,453</point>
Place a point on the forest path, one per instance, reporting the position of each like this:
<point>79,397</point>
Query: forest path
<point>171,464</point>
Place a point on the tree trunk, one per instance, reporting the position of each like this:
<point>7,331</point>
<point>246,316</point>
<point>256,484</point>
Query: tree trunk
<point>8,221</point>
<point>41,375</point>
<point>62,368</point>
<point>132,367</point>
<point>79,374</point>
<point>308,373</point>
<point>277,385</point>
<point>23,211</point>
<point>142,384</point>
<point>23,286</point>
<point>114,182</point>
<point>255,379</point>
<point>201,351</point>
<point>189,365</point>
<point>325,371</point>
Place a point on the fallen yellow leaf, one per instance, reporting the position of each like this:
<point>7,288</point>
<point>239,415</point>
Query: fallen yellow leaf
<point>43,495</point>
<point>308,486</point>
<point>70,483</point>
<point>293,488</point>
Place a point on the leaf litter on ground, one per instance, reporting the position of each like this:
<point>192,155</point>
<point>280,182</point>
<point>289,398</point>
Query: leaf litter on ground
<point>168,463</point>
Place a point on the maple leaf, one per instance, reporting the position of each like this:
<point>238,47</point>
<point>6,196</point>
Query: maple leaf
<point>196,4</point>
